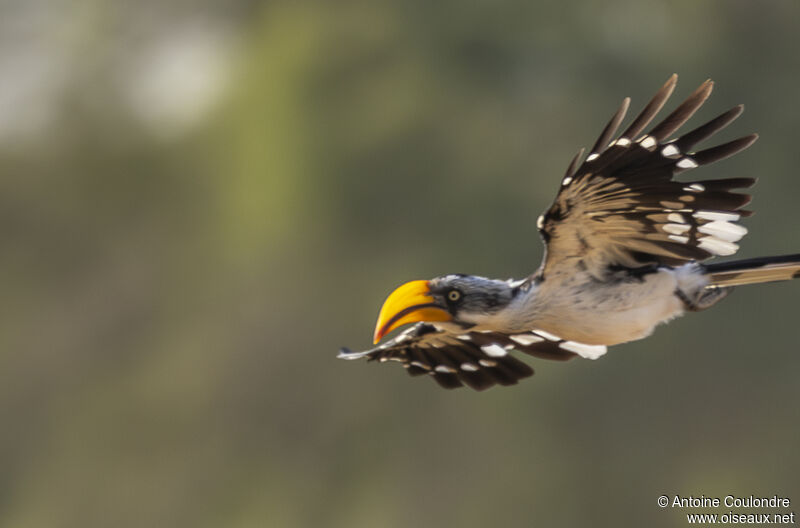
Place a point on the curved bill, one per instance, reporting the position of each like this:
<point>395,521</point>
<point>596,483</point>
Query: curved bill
<point>410,303</point>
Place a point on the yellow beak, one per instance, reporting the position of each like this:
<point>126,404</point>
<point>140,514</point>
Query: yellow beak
<point>410,303</point>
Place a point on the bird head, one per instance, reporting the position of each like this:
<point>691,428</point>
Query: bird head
<point>465,300</point>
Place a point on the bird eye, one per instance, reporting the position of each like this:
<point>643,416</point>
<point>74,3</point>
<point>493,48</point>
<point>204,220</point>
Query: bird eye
<point>453,295</point>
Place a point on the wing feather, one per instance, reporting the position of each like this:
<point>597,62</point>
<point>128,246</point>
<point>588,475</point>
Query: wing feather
<point>622,207</point>
<point>478,360</point>
<point>653,107</point>
<point>611,128</point>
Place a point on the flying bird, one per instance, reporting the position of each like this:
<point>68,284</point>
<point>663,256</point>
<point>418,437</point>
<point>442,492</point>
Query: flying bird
<point>625,244</point>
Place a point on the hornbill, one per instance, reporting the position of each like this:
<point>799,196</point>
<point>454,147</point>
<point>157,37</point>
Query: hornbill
<point>624,243</point>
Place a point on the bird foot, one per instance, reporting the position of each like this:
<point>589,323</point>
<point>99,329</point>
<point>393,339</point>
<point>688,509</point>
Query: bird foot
<point>705,298</point>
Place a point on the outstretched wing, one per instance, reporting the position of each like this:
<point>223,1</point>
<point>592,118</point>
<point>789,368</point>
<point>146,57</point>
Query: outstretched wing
<point>622,207</point>
<point>477,359</point>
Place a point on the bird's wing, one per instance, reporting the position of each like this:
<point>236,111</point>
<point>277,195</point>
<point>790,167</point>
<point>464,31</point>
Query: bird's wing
<point>477,359</point>
<point>622,207</point>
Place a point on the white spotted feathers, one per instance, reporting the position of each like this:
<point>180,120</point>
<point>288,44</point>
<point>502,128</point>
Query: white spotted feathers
<point>622,205</point>
<point>494,350</point>
<point>477,359</point>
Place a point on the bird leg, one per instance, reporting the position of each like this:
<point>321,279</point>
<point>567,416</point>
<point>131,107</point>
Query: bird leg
<point>705,298</point>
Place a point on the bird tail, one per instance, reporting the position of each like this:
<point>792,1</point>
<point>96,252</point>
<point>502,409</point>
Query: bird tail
<point>753,271</point>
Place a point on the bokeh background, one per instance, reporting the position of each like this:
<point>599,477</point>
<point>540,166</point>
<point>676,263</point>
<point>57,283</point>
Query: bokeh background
<point>201,201</point>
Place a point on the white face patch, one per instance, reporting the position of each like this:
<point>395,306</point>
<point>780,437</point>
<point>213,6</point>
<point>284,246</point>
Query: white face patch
<point>584,351</point>
<point>494,350</point>
<point>687,163</point>
<point>526,339</point>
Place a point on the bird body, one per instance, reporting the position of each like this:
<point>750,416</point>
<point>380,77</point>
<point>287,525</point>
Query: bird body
<point>624,242</point>
<point>576,306</point>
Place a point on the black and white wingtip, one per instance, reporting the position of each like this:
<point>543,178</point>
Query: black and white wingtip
<point>678,148</point>
<point>478,360</point>
<point>680,221</point>
<point>346,353</point>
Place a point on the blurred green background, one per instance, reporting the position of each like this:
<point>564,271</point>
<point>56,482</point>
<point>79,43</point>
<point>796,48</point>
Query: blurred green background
<point>202,201</point>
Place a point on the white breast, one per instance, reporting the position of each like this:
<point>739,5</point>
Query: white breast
<point>578,307</point>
